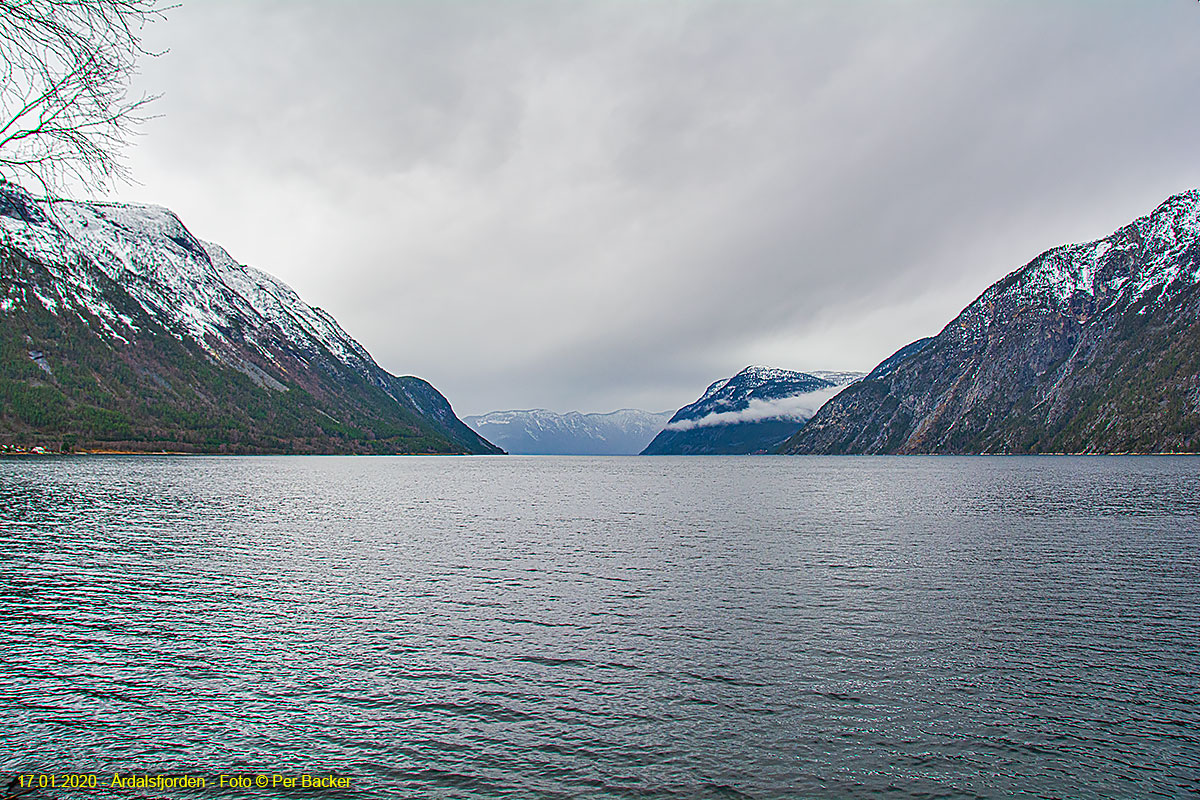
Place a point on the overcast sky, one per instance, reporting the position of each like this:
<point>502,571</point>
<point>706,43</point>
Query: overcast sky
<point>591,205</point>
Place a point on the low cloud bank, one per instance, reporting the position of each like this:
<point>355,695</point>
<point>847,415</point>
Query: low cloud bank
<point>798,407</point>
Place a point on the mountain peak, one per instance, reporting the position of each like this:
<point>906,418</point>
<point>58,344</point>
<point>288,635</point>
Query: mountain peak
<point>1087,348</point>
<point>1134,260</point>
<point>753,411</point>
<point>132,276</point>
<point>752,383</point>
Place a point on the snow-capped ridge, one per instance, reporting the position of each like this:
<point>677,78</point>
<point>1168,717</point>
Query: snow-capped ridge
<point>540,431</point>
<point>1101,268</point>
<point>1088,348</point>
<point>838,377</point>
<point>754,382</point>
<point>134,276</point>
<point>754,411</point>
<point>279,304</point>
<point>194,288</point>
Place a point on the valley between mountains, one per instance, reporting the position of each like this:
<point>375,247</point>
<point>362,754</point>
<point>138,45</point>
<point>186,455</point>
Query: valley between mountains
<point>119,330</point>
<point>1089,348</point>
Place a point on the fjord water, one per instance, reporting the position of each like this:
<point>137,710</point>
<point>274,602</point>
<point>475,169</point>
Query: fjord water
<point>608,627</point>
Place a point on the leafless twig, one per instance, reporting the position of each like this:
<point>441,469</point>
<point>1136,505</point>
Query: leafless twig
<point>65,66</point>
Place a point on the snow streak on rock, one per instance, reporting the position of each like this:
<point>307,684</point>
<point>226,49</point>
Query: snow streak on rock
<point>192,288</point>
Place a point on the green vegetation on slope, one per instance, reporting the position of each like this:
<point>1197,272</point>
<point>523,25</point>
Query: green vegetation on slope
<point>160,392</point>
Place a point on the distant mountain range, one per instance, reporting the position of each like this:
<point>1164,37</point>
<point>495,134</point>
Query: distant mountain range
<point>120,330</point>
<point>753,412</point>
<point>542,432</point>
<point>1089,348</point>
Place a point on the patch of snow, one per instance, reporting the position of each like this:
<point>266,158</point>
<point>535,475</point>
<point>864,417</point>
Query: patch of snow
<point>1154,245</point>
<point>300,323</point>
<point>838,378</point>
<point>713,388</point>
<point>49,303</point>
<point>195,290</point>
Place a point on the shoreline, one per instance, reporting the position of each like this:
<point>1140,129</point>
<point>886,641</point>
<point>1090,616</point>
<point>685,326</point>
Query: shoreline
<point>103,451</point>
<point>36,452</point>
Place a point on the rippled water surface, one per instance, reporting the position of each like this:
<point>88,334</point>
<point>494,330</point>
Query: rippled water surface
<point>608,627</point>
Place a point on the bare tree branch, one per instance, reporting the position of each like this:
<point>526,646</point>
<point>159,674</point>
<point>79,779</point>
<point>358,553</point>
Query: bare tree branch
<point>65,66</point>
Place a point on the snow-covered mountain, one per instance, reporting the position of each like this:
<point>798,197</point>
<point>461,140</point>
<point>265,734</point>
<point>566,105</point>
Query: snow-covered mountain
<point>1088,348</point>
<point>542,432</point>
<point>752,412</point>
<point>120,295</point>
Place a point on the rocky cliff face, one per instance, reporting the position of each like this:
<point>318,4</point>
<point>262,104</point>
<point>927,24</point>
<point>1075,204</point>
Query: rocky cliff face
<point>151,339</point>
<point>1089,348</point>
<point>752,412</point>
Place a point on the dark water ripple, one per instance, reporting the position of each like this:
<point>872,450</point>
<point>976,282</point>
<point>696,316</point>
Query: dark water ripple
<point>634,628</point>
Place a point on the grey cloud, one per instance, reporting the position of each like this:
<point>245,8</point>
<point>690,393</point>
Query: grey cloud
<point>798,407</point>
<point>601,204</point>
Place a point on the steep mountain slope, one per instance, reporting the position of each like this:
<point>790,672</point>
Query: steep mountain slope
<point>752,412</point>
<point>147,338</point>
<point>889,364</point>
<point>1089,348</point>
<point>542,432</point>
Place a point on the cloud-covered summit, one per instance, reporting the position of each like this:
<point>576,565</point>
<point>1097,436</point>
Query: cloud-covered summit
<point>797,407</point>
